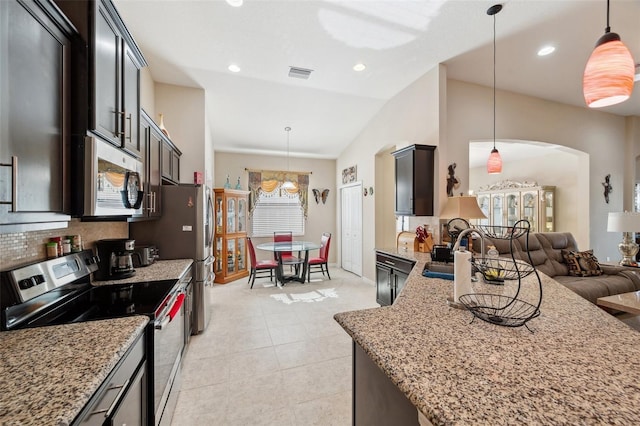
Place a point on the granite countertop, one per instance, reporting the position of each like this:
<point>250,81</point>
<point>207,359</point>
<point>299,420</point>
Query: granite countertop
<point>407,254</point>
<point>579,366</point>
<point>157,271</point>
<point>50,373</point>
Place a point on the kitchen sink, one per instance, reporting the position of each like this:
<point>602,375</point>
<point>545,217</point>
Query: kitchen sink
<point>443,267</point>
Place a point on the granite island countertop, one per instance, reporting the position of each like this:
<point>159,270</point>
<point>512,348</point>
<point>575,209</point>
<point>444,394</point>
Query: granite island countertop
<point>579,365</point>
<point>50,373</point>
<point>158,271</point>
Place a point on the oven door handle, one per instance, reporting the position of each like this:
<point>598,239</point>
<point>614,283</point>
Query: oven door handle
<point>177,304</point>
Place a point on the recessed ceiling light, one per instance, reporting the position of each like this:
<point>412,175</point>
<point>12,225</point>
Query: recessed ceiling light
<point>235,3</point>
<point>234,68</point>
<point>546,50</point>
<point>359,67</point>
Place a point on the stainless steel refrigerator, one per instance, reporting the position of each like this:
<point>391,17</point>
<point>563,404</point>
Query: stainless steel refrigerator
<point>185,231</point>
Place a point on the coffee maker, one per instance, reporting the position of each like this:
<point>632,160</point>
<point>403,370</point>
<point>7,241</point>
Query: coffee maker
<point>115,259</point>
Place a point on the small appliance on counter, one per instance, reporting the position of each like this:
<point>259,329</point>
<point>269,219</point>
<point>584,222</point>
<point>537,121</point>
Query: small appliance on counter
<point>146,255</point>
<point>115,259</point>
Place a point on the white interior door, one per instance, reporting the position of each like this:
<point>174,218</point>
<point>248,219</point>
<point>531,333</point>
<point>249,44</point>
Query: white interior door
<point>351,225</point>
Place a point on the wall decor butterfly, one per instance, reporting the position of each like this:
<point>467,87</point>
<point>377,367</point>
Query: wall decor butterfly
<point>318,195</point>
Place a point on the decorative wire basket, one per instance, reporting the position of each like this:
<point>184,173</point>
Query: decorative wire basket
<point>498,309</point>
<point>504,232</point>
<point>497,270</point>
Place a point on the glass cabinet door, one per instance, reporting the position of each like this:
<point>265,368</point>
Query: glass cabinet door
<point>242,263</point>
<point>219,215</point>
<point>484,202</point>
<point>497,211</point>
<point>530,209</point>
<point>547,210</point>
<point>231,215</point>
<point>218,254</point>
<point>513,208</point>
<point>231,255</point>
<point>242,215</point>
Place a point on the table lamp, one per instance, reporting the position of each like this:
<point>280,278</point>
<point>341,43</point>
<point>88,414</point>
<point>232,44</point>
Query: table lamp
<point>627,223</point>
<point>464,206</point>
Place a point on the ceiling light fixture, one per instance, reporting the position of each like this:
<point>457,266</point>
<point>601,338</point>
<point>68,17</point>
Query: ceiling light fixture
<point>608,75</point>
<point>234,68</point>
<point>287,183</point>
<point>494,163</point>
<point>235,3</point>
<point>359,67</point>
<point>546,50</point>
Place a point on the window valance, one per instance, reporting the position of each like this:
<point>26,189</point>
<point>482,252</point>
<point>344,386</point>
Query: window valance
<point>270,182</point>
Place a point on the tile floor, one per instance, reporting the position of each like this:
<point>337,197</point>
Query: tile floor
<point>273,355</point>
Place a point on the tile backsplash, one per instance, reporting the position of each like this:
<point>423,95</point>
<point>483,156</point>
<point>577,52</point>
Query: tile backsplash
<point>21,248</point>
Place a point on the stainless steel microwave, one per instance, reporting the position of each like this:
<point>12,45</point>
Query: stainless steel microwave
<point>113,181</point>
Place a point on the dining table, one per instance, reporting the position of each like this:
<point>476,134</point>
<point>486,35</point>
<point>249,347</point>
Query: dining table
<point>291,246</point>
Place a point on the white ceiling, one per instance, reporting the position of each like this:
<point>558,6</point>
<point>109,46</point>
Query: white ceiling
<point>193,42</point>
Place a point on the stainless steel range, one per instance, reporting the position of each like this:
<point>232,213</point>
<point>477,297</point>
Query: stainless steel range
<point>59,291</point>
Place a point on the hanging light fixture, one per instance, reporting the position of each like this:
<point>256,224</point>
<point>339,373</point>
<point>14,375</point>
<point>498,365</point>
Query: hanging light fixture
<point>494,163</point>
<point>608,75</point>
<point>287,183</point>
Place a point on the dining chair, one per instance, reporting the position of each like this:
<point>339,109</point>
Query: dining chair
<point>287,257</point>
<point>259,266</point>
<point>321,263</point>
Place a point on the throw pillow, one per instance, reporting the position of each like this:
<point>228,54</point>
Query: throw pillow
<point>582,263</point>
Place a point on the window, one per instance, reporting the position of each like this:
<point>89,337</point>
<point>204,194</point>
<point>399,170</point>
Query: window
<point>277,211</point>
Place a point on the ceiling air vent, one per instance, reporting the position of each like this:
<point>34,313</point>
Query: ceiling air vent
<point>296,72</point>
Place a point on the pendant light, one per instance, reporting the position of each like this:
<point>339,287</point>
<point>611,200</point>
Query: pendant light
<point>494,163</point>
<point>287,183</point>
<point>608,75</point>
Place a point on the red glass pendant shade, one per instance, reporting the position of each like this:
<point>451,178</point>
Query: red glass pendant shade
<point>608,76</point>
<point>494,163</point>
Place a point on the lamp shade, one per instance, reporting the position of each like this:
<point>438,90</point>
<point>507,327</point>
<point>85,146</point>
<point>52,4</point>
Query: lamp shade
<point>494,163</point>
<point>464,206</point>
<point>623,222</point>
<point>608,75</point>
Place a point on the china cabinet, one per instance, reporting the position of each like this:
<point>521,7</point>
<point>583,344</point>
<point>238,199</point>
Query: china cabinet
<point>507,202</point>
<point>230,241</point>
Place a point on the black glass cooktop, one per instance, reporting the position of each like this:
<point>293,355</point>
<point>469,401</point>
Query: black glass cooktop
<point>82,302</point>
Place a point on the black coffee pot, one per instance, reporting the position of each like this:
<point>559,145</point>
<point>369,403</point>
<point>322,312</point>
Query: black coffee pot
<point>115,259</point>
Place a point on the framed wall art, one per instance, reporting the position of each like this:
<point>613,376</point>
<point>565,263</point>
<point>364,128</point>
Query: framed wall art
<point>349,175</point>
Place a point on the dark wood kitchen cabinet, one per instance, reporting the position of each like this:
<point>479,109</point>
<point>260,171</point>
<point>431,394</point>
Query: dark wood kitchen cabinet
<point>414,180</point>
<point>170,161</point>
<point>391,275</point>
<point>151,150</point>
<point>123,397</point>
<point>35,85</point>
<point>108,62</point>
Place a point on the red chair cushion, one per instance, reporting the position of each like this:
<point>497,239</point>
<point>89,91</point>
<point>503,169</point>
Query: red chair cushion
<point>266,264</point>
<point>317,261</point>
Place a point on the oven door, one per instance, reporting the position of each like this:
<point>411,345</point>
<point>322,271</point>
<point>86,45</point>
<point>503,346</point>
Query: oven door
<point>113,181</point>
<point>168,345</point>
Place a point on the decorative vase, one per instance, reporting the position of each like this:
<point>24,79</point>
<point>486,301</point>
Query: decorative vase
<point>161,126</point>
<point>238,184</point>
<point>227,184</point>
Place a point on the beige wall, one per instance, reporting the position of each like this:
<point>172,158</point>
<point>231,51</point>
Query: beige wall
<point>321,217</point>
<point>600,135</point>
<point>559,169</point>
<point>147,92</point>
<point>184,118</point>
<point>411,117</point>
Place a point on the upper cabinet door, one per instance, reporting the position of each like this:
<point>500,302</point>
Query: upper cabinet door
<point>34,117</point>
<point>414,180</point>
<point>131,101</point>
<point>107,51</point>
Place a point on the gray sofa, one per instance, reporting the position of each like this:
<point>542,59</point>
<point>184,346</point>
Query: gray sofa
<point>546,253</point>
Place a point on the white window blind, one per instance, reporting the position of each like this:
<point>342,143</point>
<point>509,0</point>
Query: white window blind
<point>276,213</point>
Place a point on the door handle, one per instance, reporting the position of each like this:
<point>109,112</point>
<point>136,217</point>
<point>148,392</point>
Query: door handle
<point>116,133</point>
<point>130,120</point>
<point>14,183</point>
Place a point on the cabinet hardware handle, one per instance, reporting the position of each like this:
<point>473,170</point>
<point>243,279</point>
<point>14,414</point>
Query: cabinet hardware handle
<point>150,201</point>
<point>130,132</point>
<point>388,262</point>
<point>118,134</point>
<point>154,202</point>
<point>14,183</point>
<point>118,397</point>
